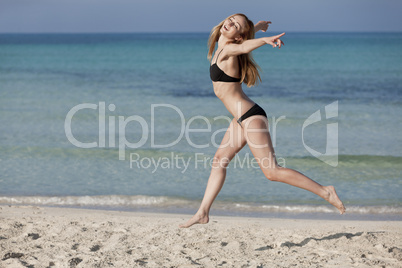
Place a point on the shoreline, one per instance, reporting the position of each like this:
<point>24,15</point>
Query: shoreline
<point>304,212</point>
<point>174,205</point>
<point>71,237</point>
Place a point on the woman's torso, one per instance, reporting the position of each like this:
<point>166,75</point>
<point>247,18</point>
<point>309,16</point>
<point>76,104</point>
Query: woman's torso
<point>231,93</point>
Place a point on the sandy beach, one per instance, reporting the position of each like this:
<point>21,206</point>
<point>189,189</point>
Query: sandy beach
<point>63,237</point>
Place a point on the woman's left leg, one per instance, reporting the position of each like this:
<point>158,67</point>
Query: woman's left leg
<point>259,140</point>
<point>232,142</point>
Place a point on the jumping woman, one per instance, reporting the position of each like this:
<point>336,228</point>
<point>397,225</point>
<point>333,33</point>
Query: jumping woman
<point>232,65</point>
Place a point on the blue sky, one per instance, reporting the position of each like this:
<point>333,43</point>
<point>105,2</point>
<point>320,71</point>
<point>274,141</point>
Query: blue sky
<point>66,16</point>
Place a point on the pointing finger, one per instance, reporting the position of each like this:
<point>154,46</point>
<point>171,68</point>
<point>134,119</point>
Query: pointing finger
<point>280,35</point>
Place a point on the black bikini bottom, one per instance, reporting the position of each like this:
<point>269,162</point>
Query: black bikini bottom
<point>255,110</point>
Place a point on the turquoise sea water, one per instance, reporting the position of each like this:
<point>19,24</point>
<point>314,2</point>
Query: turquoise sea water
<point>161,83</point>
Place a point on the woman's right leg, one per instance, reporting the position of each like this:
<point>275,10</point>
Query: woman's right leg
<point>259,141</point>
<point>232,142</point>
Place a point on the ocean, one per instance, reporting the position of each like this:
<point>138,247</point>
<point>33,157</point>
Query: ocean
<point>130,122</point>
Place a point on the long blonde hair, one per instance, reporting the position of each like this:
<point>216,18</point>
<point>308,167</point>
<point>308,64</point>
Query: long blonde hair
<point>248,67</point>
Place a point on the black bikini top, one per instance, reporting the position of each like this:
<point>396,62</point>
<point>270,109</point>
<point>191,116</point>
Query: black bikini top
<point>217,75</point>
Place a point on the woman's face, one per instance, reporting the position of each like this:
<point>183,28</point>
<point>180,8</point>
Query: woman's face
<point>233,27</point>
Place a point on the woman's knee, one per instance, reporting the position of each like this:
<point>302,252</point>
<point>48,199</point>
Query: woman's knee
<point>220,161</point>
<point>272,173</point>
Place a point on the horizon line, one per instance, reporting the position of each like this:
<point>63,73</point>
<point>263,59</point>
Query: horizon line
<point>196,32</point>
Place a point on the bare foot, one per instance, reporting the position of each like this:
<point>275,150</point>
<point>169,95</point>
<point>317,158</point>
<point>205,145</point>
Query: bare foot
<point>198,218</point>
<point>333,199</point>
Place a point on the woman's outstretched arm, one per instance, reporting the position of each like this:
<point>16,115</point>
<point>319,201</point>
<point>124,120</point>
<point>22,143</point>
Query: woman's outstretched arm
<point>249,45</point>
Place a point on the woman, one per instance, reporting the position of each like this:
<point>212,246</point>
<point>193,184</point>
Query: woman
<point>231,66</point>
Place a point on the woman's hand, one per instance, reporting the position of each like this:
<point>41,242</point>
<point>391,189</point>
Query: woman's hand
<point>261,26</point>
<point>275,40</point>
